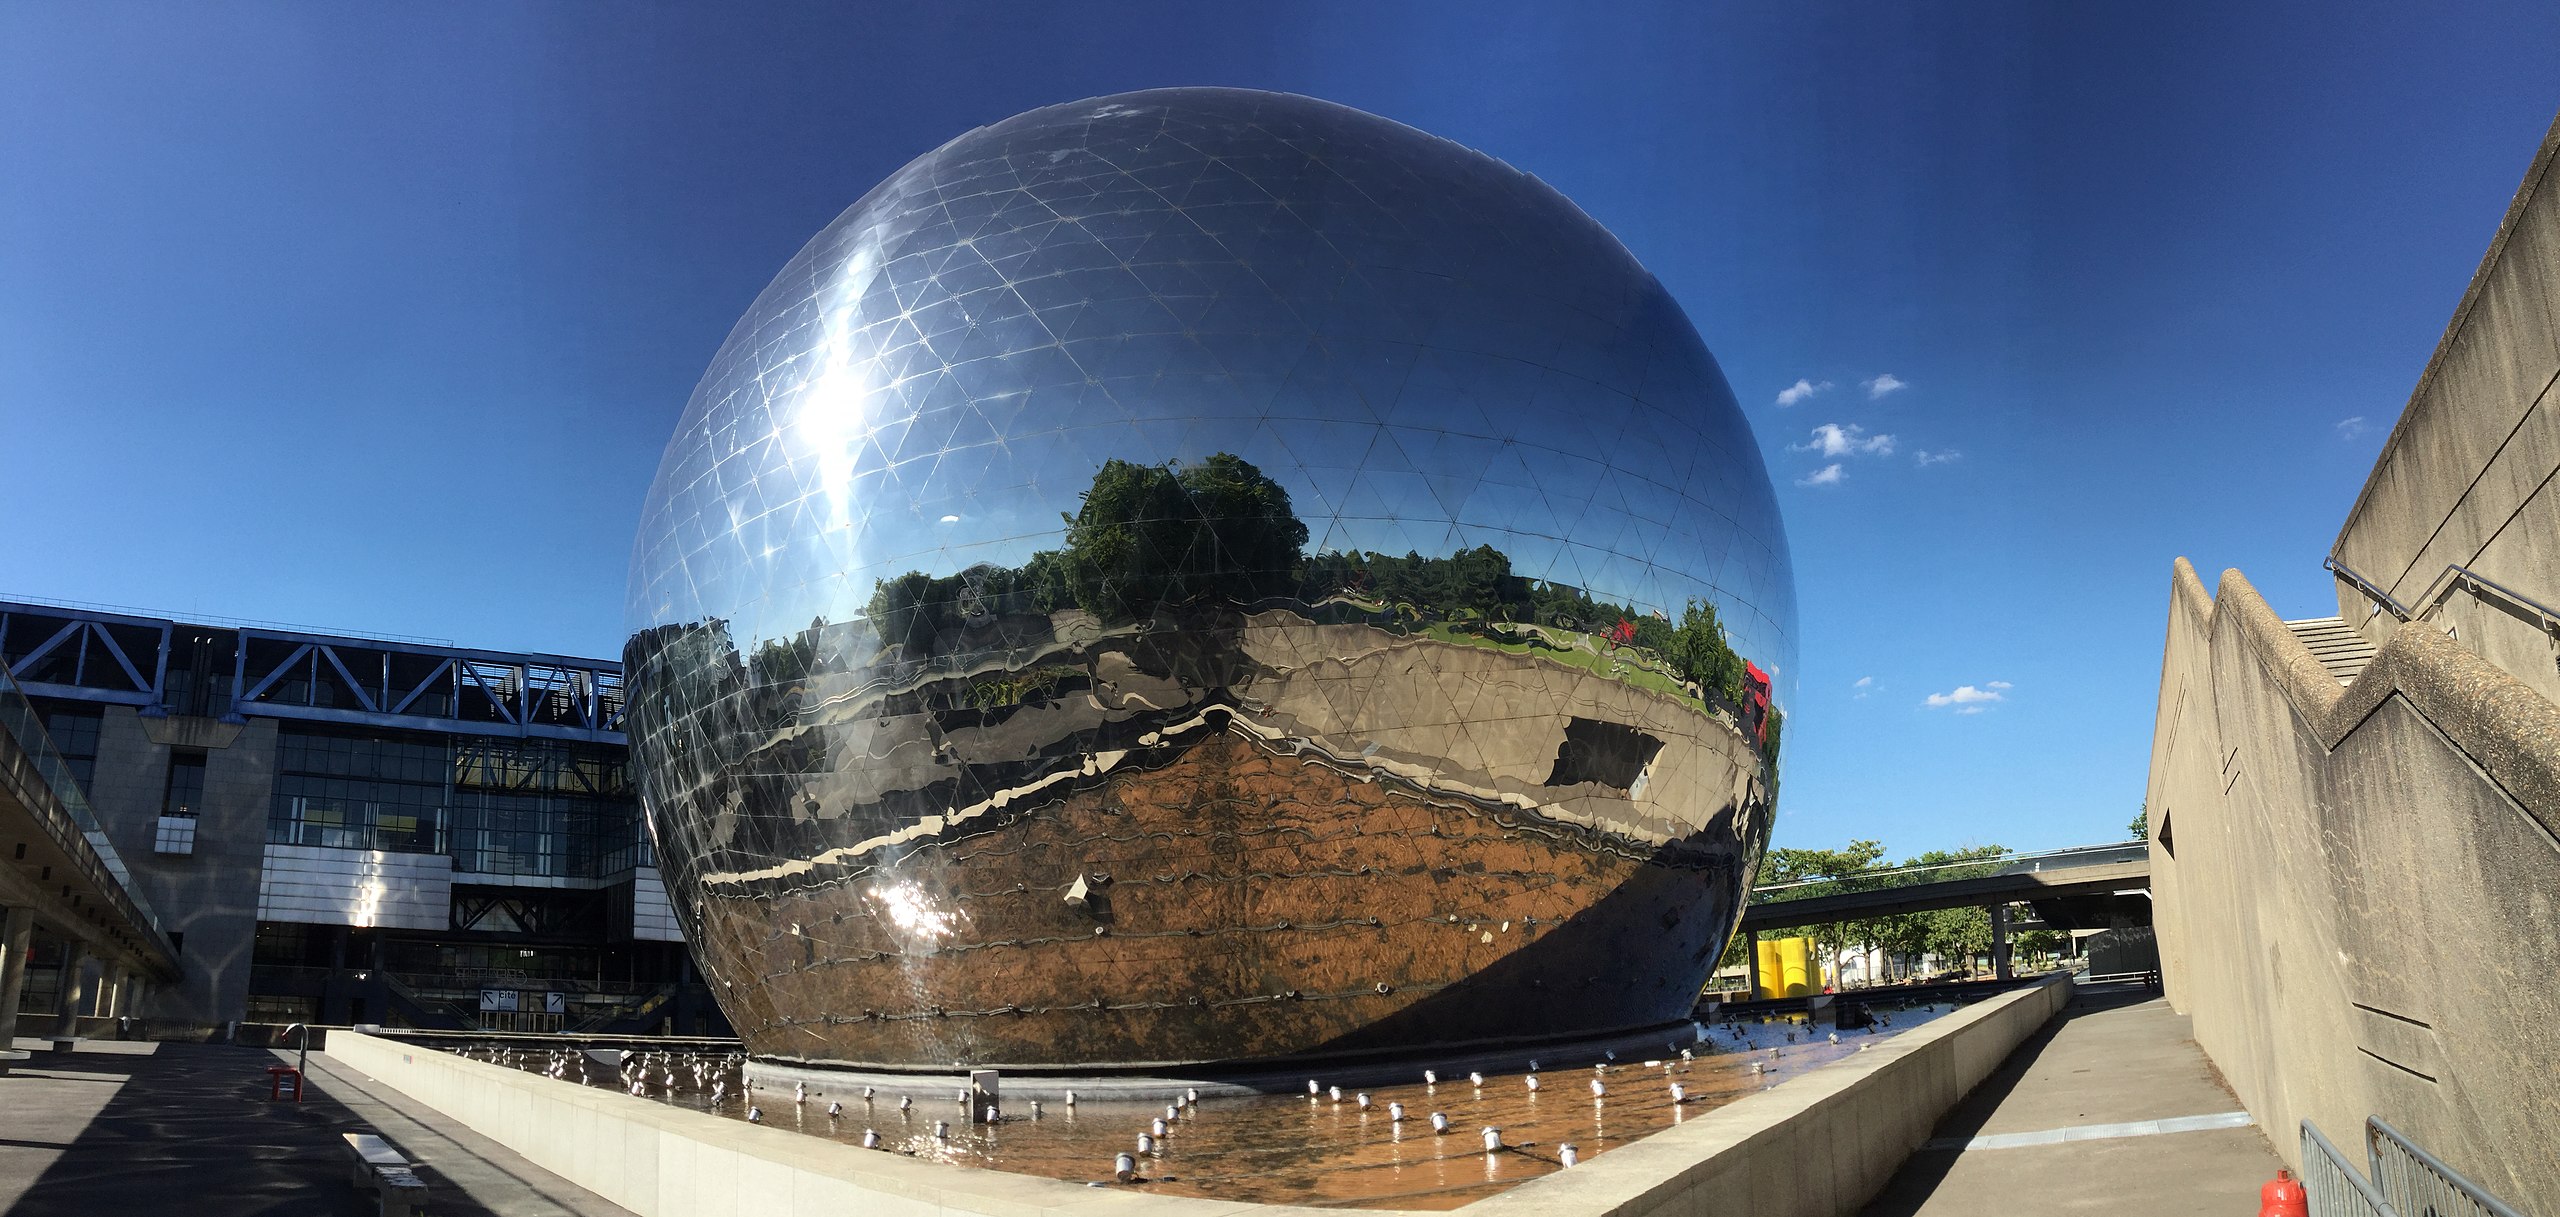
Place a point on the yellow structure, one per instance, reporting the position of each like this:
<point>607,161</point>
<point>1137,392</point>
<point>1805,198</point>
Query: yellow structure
<point>1789,967</point>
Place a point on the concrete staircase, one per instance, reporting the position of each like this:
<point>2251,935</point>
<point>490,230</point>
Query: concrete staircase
<point>2339,648</point>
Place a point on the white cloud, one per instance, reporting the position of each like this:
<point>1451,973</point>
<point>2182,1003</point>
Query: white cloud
<point>1884,383</point>
<point>1864,683</point>
<point>1832,439</point>
<point>1968,699</point>
<point>1940,457</point>
<point>2351,427</point>
<point>1828,475</point>
<point>1799,391</point>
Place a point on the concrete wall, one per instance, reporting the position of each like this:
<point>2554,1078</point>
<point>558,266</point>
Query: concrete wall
<point>1816,1146</point>
<point>661,1161</point>
<point>2358,890</point>
<point>2468,475</point>
<point>210,896</point>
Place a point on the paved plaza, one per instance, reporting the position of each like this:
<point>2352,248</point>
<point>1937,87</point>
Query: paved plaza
<point>187,1128</point>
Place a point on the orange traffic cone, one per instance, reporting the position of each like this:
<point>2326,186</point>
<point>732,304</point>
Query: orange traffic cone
<point>2283,1197</point>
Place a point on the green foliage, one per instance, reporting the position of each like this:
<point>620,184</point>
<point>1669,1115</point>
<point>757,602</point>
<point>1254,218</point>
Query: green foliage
<point>1831,872</point>
<point>1947,933</point>
<point>2141,826</point>
<point>1035,685</point>
<point>1698,650</point>
<point>1149,536</point>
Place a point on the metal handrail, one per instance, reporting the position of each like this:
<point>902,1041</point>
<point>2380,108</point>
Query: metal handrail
<point>2454,576</point>
<point>2415,1181</point>
<point>2331,1183</point>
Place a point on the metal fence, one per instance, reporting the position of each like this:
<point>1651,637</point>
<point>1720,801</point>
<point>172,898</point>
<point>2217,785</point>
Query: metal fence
<point>2332,1184</point>
<point>2406,1181</point>
<point>2417,1184</point>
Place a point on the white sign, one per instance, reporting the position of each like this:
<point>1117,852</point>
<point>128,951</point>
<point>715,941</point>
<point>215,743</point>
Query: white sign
<point>498,999</point>
<point>555,1003</point>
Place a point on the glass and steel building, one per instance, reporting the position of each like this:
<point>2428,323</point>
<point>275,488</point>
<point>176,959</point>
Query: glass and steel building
<point>1202,575</point>
<point>342,829</point>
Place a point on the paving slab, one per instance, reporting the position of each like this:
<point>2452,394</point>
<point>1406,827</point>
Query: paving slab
<point>2111,1109</point>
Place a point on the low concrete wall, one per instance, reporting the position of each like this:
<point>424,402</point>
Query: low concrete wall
<point>1820,1144</point>
<point>661,1161</point>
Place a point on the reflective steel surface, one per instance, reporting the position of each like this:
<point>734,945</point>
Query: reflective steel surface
<point>1204,575</point>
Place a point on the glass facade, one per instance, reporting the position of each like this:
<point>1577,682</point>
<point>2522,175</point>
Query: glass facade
<point>499,806</point>
<point>75,736</point>
<point>1204,574</point>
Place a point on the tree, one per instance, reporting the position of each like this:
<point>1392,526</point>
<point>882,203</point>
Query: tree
<point>1832,871</point>
<point>1148,536</point>
<point>2141,826</point>
<point>1956,933</point>
<point>1698,651</point>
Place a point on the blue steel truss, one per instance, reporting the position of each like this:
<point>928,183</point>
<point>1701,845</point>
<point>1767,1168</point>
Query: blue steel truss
<point>85,654</point>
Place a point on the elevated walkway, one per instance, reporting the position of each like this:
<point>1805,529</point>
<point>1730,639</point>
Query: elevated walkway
<point>2018,878</point>
<point>60,877</point>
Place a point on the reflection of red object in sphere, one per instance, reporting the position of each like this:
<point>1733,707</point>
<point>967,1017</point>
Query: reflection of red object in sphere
<point>2283,1197</point>
<point>1623,633</point>
<point>1755,699</point>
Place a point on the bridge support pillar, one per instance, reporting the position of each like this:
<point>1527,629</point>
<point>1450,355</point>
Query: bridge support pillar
<point>2000,941</point>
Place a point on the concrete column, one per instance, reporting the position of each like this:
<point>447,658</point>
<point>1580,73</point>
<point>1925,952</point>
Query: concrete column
<point>1751,960</point>
<point>74,990</point>
<point>17,934</point>
<point>2000,941</point>
<point>111,990</point>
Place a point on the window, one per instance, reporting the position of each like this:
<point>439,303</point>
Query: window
<point>347,792</point>
<point>75,737</point>
<point>184,793</point>
<point>499,806</point>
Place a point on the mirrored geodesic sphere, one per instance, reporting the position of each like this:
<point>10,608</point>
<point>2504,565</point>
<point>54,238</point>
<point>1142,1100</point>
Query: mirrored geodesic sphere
<point>1203,575</point>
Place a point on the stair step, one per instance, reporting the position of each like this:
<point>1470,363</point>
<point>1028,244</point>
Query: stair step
<point>2340,649</point>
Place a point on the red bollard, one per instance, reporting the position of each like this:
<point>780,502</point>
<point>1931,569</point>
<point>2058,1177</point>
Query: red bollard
<point>2283,1197</point>
<point>285,1082</point>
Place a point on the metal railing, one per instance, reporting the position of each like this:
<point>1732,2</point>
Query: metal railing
<point>2417,1183</point>
<point>2401,1179</point>
<point>2331,1183</point>
<point>2455,577</point>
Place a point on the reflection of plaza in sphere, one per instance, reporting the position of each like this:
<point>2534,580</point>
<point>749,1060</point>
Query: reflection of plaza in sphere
<point>1205,575</point>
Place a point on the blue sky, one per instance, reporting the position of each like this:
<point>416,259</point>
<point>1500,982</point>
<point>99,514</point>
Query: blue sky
<point>378,320</point>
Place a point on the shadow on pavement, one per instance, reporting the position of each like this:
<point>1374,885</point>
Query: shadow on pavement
<point>193,1133</point>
